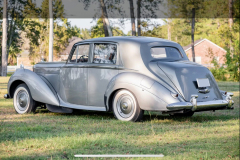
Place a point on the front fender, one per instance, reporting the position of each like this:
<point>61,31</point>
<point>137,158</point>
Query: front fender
<point>41,91</point>
<point>151,95</point>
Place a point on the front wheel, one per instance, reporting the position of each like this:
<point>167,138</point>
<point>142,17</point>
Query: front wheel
<point>22,100</point>
<point>125,106</point>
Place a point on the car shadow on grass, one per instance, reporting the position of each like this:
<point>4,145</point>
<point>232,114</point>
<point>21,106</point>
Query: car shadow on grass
<point>148,116</point>
<point>199,117</point>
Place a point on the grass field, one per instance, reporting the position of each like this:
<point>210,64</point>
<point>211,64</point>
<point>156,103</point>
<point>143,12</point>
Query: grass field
<point>45,135</point>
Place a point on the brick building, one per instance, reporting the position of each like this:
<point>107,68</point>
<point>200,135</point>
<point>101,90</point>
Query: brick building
<point>205,50</point>
<point>24,59</point>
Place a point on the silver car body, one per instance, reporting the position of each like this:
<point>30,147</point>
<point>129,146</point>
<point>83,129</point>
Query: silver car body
<point>91,86</point>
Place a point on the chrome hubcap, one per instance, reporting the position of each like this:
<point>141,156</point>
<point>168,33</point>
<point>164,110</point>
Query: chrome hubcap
<point>22,100</point>
<point>125,106</point>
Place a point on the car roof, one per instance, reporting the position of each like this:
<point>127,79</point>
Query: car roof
<point>135,39</point>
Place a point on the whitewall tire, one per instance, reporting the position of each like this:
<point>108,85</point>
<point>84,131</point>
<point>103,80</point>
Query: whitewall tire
<point>22,100</point>
<point>125,106</point>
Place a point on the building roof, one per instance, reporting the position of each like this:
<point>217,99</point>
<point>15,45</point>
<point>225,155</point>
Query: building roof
<point>188,47</point>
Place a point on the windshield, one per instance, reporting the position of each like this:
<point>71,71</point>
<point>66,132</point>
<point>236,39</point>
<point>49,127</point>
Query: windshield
<point>166,53</point>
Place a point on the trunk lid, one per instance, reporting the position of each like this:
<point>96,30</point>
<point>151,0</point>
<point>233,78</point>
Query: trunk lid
<point>183,75</point>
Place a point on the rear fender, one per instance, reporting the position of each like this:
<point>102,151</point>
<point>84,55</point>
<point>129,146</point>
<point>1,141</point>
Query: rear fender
<point>150,94</point>
<point>41,90</point>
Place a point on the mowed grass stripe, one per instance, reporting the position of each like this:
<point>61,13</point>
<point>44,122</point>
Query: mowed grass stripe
<point>46,135</point>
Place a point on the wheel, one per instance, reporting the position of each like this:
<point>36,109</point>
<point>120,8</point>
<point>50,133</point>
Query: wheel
<point>125,106</point>
<point>22,99</point>
<point>185,114</point>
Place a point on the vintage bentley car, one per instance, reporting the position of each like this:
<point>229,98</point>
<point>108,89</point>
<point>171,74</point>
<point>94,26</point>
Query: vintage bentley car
<point>125,75</point>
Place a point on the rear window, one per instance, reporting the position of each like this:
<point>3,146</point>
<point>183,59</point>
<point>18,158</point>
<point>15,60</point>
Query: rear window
<point>165,52</point>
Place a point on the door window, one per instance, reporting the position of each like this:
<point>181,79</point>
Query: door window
<point>80,54</point>
<point>105,53</point>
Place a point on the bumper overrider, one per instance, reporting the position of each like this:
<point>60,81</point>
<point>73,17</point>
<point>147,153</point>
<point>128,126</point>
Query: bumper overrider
<point>6,96</point>
<point>193,105</point>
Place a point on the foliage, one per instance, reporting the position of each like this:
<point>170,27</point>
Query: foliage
<point>233,62</point>
<point>85,34</point>
<point>98,31</point>
<point>37,30</point>
<point>58,9</point>
<point>219,72</point>
<point>232,57</point>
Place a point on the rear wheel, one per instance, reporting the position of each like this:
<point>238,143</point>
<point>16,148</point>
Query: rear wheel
<point>125,106</point>
<point>22,100</point>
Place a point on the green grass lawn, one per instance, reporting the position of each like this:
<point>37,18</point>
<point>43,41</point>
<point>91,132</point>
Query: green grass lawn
<point>45,135</point>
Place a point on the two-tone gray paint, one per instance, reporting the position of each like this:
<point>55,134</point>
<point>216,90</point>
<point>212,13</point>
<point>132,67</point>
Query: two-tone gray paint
<point>92,86</point>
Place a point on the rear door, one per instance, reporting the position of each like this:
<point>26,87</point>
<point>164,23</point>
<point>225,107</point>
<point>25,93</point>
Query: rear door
<point>74,76</point>
<point>104,66</point>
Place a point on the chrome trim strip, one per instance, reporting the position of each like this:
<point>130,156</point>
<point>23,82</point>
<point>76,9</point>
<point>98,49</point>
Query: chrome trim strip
<point>81,107</point>
<point>199,106</point>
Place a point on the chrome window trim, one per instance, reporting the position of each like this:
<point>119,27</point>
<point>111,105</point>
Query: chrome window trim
<point>103,42</point>
<point>73,50</point>
<point>166,51</point>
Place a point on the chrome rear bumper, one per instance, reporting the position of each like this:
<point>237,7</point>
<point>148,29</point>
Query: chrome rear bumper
<point>201,105</point>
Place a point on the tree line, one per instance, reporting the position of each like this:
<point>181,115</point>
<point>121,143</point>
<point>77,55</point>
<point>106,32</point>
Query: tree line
<point>28,23</point>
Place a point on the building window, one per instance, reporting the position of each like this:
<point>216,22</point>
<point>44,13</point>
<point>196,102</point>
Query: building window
<point>197,60</point>
<point>216,58</point>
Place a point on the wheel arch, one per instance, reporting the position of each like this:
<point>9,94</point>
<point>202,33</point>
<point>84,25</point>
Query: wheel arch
<point>111,97</point>
<point>150,94</point>
<point>40,90</point>
<point>13,87</point>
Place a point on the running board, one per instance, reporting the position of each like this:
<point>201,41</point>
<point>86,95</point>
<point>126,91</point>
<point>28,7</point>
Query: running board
<point>57,109</point>
<point>81,107</point>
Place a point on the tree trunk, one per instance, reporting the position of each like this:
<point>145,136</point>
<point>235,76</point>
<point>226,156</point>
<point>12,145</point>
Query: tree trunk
<point>230,21</point>
<point>106,24</point>
<point>50,59</point>
<point>105,28</point>
<point>169,29</point>
<point>192,34</point>
<point>4,40</point>
<point>12,26</point>
<point>132,18</point>
<point>139,17</point>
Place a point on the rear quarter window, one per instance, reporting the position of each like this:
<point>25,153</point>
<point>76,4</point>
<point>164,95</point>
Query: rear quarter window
<point>165,52</point>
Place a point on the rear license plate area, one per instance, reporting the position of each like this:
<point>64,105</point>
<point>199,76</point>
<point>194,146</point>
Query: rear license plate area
<point>203,82</point>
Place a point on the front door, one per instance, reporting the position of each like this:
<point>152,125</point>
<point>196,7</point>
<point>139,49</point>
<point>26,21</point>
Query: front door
<point>74,76</point>
<point>103,68</point>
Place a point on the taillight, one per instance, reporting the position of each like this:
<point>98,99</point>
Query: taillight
<point>174,95</point>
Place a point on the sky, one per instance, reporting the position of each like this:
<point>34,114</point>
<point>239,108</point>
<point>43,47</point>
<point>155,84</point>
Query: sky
<point>74,9</point>
<point>89,22</point>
